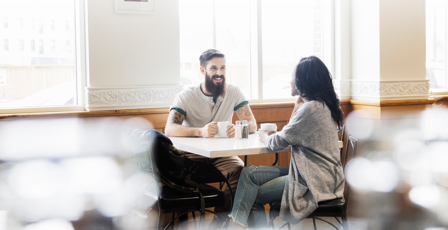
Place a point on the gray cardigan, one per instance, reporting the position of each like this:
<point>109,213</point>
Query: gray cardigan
<point>315,171</point>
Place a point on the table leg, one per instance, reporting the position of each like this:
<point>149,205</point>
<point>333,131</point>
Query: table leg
<point>276,159</point>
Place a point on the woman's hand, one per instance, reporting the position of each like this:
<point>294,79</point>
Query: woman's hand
<point>299,102</point>
<point>263,135</point>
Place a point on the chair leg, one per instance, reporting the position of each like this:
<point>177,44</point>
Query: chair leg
<point>173,219</point>
<point>286,224</point>
<point>338,220</point>
<point>344,222</point>
<point>314,223</point>
<point>194,219</point>
<point>317,218</point>
<point>159,220</point>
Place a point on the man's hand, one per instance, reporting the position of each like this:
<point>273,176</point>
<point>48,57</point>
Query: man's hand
<point>231,131</point>
<point>209,130</point>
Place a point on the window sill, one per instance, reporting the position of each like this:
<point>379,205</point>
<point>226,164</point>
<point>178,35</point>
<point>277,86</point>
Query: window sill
<point>42,110</point>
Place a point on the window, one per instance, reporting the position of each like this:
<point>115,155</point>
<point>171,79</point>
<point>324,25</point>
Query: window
<point>32,45</point>
<point>41,27</point>
<point>6,44</point>
<point>67,25</point>
<point>21,48</point>
<point>52,46</point>
<point>436,22</point>
<point>44,76</point>
<point>41,47</point>
<point>5,23</point>
<point>263,40</point>
<point>68,44</point>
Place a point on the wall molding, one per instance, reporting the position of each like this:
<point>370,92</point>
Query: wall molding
<point>342,88</point>
<point>389,90</point>
<point>130,97</point>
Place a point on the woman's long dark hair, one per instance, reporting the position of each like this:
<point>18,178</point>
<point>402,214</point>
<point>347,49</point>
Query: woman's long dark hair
<point>314,82</point>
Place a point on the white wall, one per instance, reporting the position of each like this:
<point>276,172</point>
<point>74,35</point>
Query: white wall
<point>403,43</point>
<point>365,39</point>
<point>133,49</point>
<point>388,50</point>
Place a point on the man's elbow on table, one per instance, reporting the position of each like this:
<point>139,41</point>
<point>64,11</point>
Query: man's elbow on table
<point>170,131</point>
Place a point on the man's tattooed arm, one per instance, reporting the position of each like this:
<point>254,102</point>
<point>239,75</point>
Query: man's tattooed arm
<point>245,113</point>
<point>174,127</point>
<point>176,117</point>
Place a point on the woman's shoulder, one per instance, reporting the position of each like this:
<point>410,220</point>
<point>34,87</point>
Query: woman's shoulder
<point>311,108</point>
<point>316,106</point>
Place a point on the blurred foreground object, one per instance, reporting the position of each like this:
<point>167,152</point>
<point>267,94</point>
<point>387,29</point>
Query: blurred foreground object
<point>400,178</point>
<point>71,173</point>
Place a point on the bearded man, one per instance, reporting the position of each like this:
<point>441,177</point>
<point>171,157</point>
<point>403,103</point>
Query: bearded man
<point>196,111</point>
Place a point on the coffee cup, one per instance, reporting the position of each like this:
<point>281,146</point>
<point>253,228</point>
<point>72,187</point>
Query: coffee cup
<point>222,128</point>
<point>268,127</point>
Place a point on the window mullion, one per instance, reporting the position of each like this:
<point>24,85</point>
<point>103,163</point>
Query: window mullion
<point>256,61</point>
<point>82,57</point>
<point>260,50</point>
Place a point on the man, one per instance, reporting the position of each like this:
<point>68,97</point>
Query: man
<point>196,111</point>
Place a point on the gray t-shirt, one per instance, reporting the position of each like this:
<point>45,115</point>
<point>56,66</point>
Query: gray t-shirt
<point>200,109</point>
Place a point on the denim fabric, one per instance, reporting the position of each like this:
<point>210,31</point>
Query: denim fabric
<point>258,185</point>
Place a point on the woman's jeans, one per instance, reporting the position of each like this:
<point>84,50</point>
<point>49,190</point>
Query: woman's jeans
<point>258,185</point>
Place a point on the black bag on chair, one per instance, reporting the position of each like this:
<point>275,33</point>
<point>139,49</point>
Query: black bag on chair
<point>171,167</point>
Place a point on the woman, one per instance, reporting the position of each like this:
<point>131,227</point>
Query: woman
<point>315,173</point>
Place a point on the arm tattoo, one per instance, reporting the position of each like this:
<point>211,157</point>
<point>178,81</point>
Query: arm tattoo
<point>176,117</point>
<point>244,110</point>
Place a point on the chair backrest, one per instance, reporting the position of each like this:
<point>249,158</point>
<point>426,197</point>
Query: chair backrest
<point>350,153</point>
<point>341,133</point>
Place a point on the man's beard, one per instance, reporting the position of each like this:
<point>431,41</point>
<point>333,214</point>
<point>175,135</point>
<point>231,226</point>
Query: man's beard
<point>210,86</point>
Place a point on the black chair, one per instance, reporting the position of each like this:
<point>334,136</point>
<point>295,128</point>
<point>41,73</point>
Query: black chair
<point>170,200</point>
<point>341,133</point>
<point>332,208</point>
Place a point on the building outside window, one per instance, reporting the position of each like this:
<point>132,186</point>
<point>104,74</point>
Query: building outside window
<point>41,47</point>
<point>262,40</point>
<point>21,45</point>
<point>52,46</point>
<point>32,45</point>
<point>29,89</point>
<point>6,44</point>
<point>41,27</point>
<point>5,23</point>
<point>69,46</point>
<point>436,43</point>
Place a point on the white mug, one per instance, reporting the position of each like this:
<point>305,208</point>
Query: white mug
<point>268,127</point>
<point>222,128</point>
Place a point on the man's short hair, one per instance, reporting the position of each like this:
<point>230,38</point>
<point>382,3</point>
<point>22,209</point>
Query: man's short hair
<point>208,55</point>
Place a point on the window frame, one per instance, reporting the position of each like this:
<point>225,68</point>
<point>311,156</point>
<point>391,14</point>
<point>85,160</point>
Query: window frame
<point>256,51</point>
<point>256,75</point>
<point>445,91</point>
<point>81,49</point>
